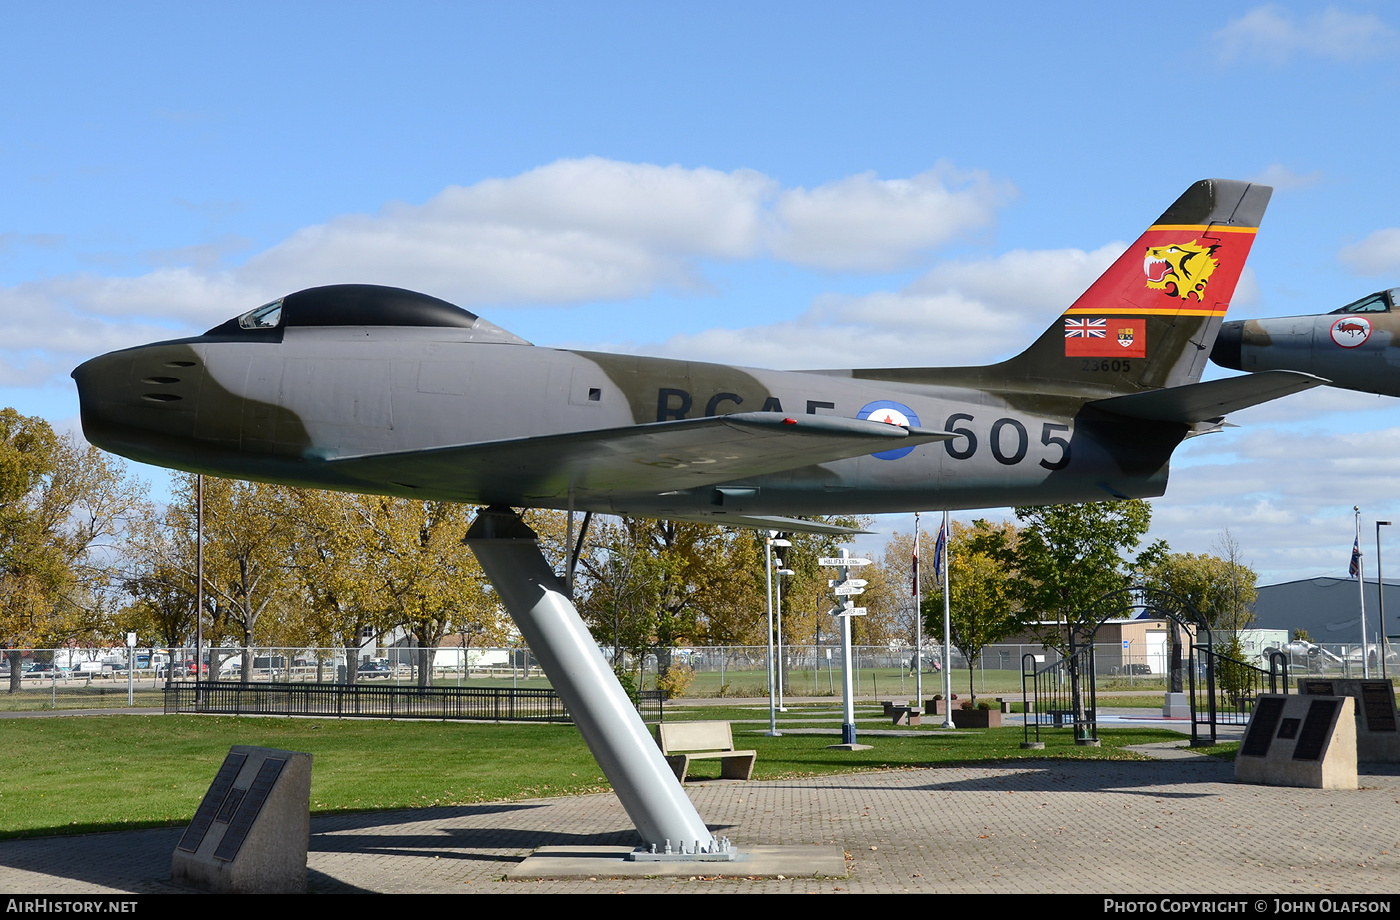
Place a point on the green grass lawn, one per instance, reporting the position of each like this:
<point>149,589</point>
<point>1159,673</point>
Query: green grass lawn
<point>97,773</point>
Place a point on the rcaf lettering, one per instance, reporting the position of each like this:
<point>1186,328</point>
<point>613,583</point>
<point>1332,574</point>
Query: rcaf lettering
<point>712,406</point>
<point>1009,441</point>
<point>664,407</point>
<point>674,403</point>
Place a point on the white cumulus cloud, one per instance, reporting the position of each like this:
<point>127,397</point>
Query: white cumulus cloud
<point>864,223</point>
<point>1285,492</point>
<point>963,312</point>
<point>1377,254</point>
<point>1272,33</point>
<point>1281,177</point>
<point>573,231</point>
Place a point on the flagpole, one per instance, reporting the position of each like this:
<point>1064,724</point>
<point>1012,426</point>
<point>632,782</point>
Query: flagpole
<point>918,624</point>
<point>1360,574</point>
<point>947,630</point>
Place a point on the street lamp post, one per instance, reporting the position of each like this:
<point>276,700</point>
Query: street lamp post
<point>1358,571</point>
<point>770,541</point>
<point>1380,591</point>
<point>778,638</point>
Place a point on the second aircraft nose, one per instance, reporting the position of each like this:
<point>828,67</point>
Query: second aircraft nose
<point>1226,352</point>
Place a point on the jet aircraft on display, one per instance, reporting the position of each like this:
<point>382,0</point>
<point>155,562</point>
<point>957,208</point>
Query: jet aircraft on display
<point>380,390</point>
<point>1356,347</point>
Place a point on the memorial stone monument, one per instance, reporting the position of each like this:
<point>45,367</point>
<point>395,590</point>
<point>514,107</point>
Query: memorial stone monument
<point>1307,741</point>
<point>1377,728</point>
<point>250,834</point>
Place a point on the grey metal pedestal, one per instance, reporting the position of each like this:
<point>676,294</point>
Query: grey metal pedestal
<point>509,553</point>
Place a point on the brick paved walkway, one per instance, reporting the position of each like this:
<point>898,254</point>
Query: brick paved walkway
<point>1179,826</point>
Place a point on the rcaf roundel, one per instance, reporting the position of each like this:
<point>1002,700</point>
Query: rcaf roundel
<point>891,413</point>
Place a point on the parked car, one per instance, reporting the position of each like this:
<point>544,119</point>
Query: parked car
<point>373,669</point>
<point>181,668</point>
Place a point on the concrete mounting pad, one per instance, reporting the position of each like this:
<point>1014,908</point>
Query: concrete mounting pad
<point>612,862</point>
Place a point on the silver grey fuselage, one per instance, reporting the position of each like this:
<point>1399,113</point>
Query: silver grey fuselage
<point>284,411</point>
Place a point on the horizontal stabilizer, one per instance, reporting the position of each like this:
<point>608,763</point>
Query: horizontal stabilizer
<point>657,457</point>
<point>1212,399</point>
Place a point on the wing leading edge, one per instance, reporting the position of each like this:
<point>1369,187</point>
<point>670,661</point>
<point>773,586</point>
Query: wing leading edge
<point>655,458</point>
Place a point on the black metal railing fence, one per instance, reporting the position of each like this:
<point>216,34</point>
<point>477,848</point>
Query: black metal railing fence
<point>1048,695</point>
<point>352,701</point>
<point>1226,688</point>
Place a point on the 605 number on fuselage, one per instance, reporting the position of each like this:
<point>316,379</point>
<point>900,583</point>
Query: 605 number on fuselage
<point>1008,441</point>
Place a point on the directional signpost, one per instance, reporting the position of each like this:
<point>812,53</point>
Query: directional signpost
<point>844,586</point>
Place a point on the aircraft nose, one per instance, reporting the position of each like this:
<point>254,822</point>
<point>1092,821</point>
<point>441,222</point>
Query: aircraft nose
<point>140,400</point>
<point>1226,352</point>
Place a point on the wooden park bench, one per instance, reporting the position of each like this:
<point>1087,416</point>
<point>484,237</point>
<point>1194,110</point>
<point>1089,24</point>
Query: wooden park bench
<point>682,742</point>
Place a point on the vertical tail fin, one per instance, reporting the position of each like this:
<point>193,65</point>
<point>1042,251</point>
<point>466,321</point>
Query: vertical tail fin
<point>1151,319</point>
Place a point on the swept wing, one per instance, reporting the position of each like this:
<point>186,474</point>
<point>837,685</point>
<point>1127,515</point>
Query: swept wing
<point>659,457</point>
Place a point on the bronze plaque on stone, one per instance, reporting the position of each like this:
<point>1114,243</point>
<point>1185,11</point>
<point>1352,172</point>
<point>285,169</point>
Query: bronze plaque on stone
<point>1378,702</point>
<point>1262,727</point>
<point>1317,726</point>
<point>247,810</point>
<point>213,800</point>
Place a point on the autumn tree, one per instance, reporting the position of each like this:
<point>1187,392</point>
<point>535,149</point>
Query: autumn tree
<point>1222,589</point>
<point>161,604</point>
<point>653,584</point>
<point>331,567</point>
<point>1069,556</point>
<point>420,573</point>
<point>63,510</point>
<point>983,605</point>
<point>896,571</point>
<point>246,549</point>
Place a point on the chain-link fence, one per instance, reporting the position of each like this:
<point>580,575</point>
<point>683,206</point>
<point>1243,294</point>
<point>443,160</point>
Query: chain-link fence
<point>76,678</point>
<point>80,678</point>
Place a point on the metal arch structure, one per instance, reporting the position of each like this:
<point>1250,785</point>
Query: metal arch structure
<point>1166,604</point>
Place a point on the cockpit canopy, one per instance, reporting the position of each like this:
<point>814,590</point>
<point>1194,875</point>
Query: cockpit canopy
<point>1381,302</point>
<point>348,305</point>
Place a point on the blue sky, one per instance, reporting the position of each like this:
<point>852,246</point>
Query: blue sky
<point>775,184</point>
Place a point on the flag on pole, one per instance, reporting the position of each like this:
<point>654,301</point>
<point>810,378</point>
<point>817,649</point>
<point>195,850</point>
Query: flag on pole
<point>1355,569</point>
<point>938,555</point>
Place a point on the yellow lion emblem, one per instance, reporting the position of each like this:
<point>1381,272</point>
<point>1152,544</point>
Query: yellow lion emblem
<point>1180,269</point>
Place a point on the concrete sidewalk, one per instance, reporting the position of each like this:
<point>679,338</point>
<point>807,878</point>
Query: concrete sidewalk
<point>1180,826</point>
